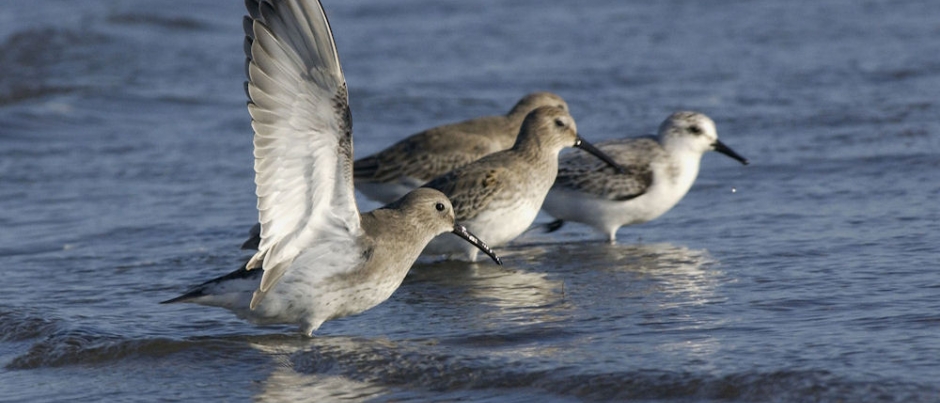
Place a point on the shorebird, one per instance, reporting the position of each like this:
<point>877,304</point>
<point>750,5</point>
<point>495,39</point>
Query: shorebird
<point>501,194</point>
<point>318,258</point>
<point>413,161</point>
<point>387,175</point>
<point>659,172</point>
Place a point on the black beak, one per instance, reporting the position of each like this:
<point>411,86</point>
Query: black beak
<point>462,232</point>
<point>722,148</point>
<point>584,145</point>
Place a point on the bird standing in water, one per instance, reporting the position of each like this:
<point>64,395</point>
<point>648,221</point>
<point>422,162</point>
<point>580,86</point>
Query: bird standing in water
<point>660,170</point>
<point>501,194</point>
<point>318,257</point>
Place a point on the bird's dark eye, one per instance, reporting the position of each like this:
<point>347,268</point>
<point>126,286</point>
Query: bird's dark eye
<point>439,206</point>
<point>695,129</point>
<point>559,122</point>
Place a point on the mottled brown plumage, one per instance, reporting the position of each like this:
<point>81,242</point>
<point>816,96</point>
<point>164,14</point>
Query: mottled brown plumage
<point>582,172</point>
<point>501,194</point>
<point>411,162</point>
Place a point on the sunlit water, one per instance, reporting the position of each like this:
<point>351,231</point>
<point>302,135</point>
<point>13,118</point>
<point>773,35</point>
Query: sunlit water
<point>810,275</point>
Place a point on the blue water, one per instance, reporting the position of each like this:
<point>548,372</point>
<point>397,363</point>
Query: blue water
<point>810,275</point>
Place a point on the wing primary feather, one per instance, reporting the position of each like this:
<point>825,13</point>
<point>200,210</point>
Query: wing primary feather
<point>303,135</point>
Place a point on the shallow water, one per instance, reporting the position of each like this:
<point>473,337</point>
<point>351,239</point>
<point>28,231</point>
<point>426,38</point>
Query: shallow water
<point>810,275</point>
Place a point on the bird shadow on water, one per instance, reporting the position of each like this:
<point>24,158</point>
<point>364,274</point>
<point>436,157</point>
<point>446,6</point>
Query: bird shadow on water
<point>509,286</point>
<point>357,368</point>
<point>618,277</point>
<point>547,281</point>
<point>475,304</point>
<point>602,255</point>
<point>663,261</point>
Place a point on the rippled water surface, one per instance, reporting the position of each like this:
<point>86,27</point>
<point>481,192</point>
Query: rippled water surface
<point>810,275</point>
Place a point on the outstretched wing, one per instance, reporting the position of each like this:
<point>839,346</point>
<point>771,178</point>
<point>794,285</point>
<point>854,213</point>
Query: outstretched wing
<point>303,133</point>
<point>584,173</point>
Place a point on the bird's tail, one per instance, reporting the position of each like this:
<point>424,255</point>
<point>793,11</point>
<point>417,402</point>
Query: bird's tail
<point>223,291</point>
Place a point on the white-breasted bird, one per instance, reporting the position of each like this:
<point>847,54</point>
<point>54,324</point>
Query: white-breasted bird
<point>660,170</point>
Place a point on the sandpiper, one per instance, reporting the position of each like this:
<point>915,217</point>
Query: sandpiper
<point>320,259</point>
<point>659,172</point>
<point>413,161</point>
<point>501,194</point>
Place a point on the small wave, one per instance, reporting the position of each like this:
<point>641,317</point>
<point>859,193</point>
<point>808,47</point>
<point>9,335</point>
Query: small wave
<point>440,368</point>
<point>774,386</point>
<point>178,23</point>
<point>390,364</point>
<point>16,93</point>
<point>19,326</point>
<point>74,347</point>
<point>40,62</point>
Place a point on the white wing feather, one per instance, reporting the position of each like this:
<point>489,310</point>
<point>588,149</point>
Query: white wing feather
<point>303,140</point>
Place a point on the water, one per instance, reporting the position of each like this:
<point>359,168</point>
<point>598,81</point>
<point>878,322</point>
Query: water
<point>125,176</point>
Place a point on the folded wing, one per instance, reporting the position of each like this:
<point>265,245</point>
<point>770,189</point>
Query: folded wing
<point>585,173</point>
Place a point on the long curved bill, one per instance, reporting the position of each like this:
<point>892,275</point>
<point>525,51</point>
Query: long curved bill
<point>462,232</point>
<point>584,145</point>
<point>722,148</point>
